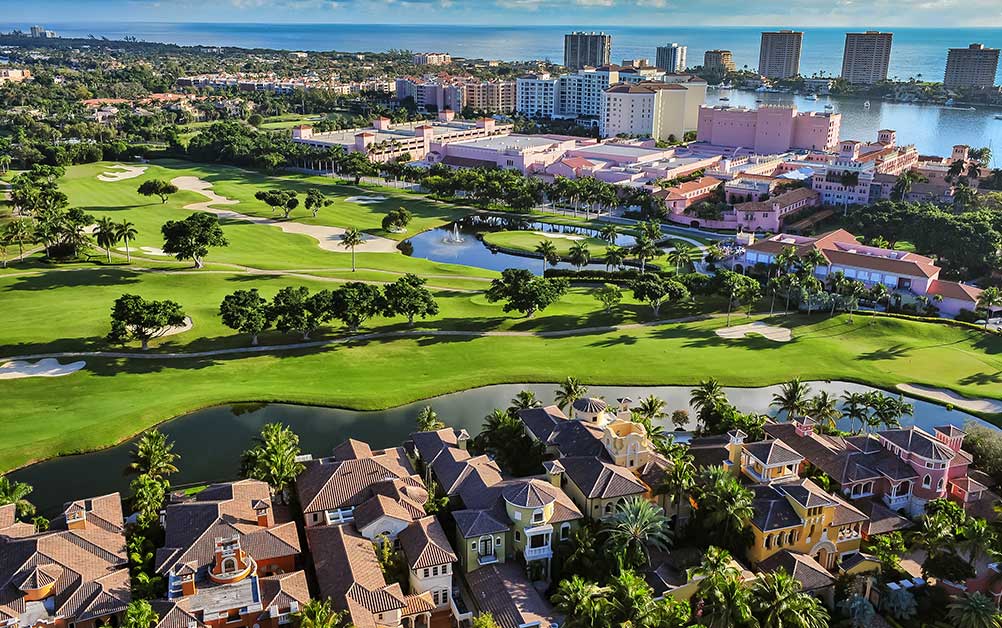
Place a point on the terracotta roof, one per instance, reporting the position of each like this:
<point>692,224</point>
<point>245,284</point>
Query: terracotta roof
<point>577,162</point>
<point>772,452</point>
<point>425,544</point>
<point>955,290</point>
<point>352,449</point>
<point>419,603</point>
<point>784,200</point>
<point>811,575</point>
<point>503,591</point>
<point>342,481</point>
<point>377,507</point>
<point>281,590</point>
<point>598,479</point>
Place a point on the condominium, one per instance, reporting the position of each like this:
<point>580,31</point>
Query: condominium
<point>490,95</point>
<point>580,93</point>
<point>39,32</point>
<point>768,130</point>
<point>650,109</point>
<point>671,58</point>
<point>455,93</point>
<point>866,57</point>
<point>432,58</point>
<point>536,95</point>
<point>779,54</point>
<point>718,61</point>
<point>974,66</point>
<point>581,49</point>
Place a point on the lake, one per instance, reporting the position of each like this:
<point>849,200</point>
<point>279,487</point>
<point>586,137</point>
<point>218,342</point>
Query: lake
<point>210,441</point>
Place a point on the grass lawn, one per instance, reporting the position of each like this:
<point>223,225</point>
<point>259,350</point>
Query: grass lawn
<point>110,400</point>
<point>527,241</point>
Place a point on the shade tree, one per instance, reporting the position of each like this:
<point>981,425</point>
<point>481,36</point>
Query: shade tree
<point>157,187</point>
<point>315,201</point>
<point>192,237</point>
<point>521,291</point>
<point>247,312</point>
<point>655,290</point>
<point>285,201</point>
<point>135,318</point>
<point>408,297</point>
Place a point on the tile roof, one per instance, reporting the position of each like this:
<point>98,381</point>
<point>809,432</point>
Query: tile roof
<point>425,544</point>
<point>430,444</point>
<point>880,518</point>
<point>784,200</point>
<point>773,452</point>
<point>772,510</point>
<point>709,451</point>
<point>348,573</point>
<point>527,495</point>
<point>811,575</point>
<point>503,591</point>
<point>281,590</point>
<point>954,290</point>
<point>377,507</point>
<point>918,442</point>
<point>471,523</point>
<point>590,404</point>
<point>541,421</point>
<point>346,480</point>
<point>599,479</point>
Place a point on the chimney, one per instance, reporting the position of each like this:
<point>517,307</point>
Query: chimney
<point>186,574</point>
<point>446,115</point>
<point>462,438</point>
<point>263,510</point>
<point>554,472</point>
<point>487,124</point>
<point>76,518</point>
<point>363,140</point>
<point>382,123</point>
<point>735,444</point>
<point>804,427</point>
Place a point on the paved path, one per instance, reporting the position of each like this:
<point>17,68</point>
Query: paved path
<point>328,237</point>
<point>943,395</point>
<point>315,344</point>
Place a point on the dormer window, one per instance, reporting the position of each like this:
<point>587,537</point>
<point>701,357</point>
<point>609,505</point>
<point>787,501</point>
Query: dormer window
<point>537,516</point>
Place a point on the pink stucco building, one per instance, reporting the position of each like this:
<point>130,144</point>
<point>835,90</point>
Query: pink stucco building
<point>768,130</point>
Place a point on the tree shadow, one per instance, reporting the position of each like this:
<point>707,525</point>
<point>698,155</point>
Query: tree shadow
<point>982,379</point>
<point>75,278</point>
<point>617,341</point>
<point>887,353</point>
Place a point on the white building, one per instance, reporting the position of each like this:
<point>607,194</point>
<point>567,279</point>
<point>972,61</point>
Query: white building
<point>536,95</point>
<point>650,109</point>
<point>671,58</point>
<point>866,57</point>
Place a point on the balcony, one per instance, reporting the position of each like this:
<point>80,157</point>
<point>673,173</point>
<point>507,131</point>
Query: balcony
<point>896,502</point>
<point>536,553</point>
<point>488,559</point>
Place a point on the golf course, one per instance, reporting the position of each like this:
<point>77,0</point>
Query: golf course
<point>61,311</point>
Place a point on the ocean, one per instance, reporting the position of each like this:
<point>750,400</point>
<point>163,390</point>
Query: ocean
<point>917,52</point>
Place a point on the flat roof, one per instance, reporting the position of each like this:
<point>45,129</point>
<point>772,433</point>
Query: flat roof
<point>395,132</point>
<point>503,142</point>
<point>621,150</point>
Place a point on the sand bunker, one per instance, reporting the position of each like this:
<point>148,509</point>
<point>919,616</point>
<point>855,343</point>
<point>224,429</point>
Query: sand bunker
<point>48,367</point>
<point>366,200</point>
<point>771,332</point>
<point>328,237</point>
<point>988,406</point>
<point>148,250</point>
<point>126,172</point>
<point>178,329</point>
<point>561,236</point>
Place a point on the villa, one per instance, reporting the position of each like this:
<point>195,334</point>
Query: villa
<point>902,272</point>
<point>229,560</point>
<point>74,574</point>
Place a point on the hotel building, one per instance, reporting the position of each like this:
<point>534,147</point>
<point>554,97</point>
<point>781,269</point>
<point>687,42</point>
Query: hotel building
<point>866,57</point>
<point>586,49</point>
<point>779,54</point>
<point>718,61</point>
<point>536,95</point>
<point>651,109</point>
<point>768,130</point>
<point>974,66</point>
<point>671,58</point>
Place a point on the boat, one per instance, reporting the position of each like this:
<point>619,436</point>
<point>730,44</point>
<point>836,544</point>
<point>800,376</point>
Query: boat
<point>829,106</point>
<point>725,99</point>
<point>998,117</point>
<point>759,100</point>
<point>949,102</point>
<point>811,97</point>
<point>866,105</point>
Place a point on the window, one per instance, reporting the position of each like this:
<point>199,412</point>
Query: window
<point>537,516</point>
<point>565,531</point>
<point>434,596</point>
<point>939,485</point>
<point>424,574</point>
<point>434,570</point>
<point>518,536</point>
<point>926,482</point>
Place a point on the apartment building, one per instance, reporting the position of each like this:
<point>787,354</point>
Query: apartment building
<point>659,110</point>
<point>866,57</point>
<point>718,61</point>
<point>586,49</point>
<point>447,92</point>
<point>494,96</point>
<point>579,94</point>
<point>779,54</point>
<point>768,129</point>
<point>14,75</point>
<point>671,57</point>
<point>536,95</point>
<point>974,66</point>
<point>432,58</point>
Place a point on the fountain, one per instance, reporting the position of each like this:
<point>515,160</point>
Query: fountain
<point>454,237</point>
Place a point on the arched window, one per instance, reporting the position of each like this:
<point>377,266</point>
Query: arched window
<point>229,565</point>
<point>926,482</point>
<point>939,485</point>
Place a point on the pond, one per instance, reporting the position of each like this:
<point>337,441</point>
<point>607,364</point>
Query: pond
<point>210,441</point>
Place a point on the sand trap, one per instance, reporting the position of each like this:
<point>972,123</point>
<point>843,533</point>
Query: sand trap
<point>148,250</point>
<point>177,329</point>
<point>328,237</point>
<point>560,236</point>
<point>48,367</point>
<point>989,406</point>
<point>126,172</point>
<point>366,200</point>
<point>771,332</point>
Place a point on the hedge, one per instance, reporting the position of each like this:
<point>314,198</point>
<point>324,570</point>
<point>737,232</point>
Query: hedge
<point>929,319</point>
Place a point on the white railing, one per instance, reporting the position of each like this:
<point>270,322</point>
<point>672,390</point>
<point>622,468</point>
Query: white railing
<point>896,501</point>
<point>533,553</point>
<point>489,559</point>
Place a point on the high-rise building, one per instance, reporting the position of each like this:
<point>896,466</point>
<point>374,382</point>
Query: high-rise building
<point>718,61</point>
<point>39,32</point>
<point>671,58</point>
<point>536,95</point>
<point>866,57</point>
<point>581,49</point>
<point>974,66</point>
<point>779,55</point>
<point>656,109</point>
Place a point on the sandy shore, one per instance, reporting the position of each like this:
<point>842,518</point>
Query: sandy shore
<point>988,406</point>
<point>328,237</point>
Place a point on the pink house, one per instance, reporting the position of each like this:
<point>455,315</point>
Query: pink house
<point>768,130</point>
<point>678,198</point>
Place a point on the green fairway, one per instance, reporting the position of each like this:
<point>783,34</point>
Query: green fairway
<point>58,308</point>
<point>111,399</point>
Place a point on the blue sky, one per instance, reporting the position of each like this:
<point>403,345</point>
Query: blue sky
<point>858,13</point>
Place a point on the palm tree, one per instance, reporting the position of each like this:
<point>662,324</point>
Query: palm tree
<point>20,232</point>
<point>645,249</point>
<point>779,602</point>
<point>728,604</point>
<point>792,398</point>
<point>583,603</point>
<point>569,392</point>
<point>614,257</point>
<point>609,233</point>
<point>786,259</point>
<point>904,184</point>
<point>823,408</point>
<point>5,160</point>
<point>139,614</point>
<point>16,493</point>
<point>812,260</point>
<point>716,566</point>
<point>427,420</point>
<point>319,613</point>
<point>651,408</point>
<point>976,537</point>
<point>548,251</point>
<point>153,456</point>
<point>632,601</point>
<point>680,254</point>
<point>636,527</point>
<point>127,232</point>
<point>106,234</point>
<point>989,299</point>
<point>351,238</point>
<point>854,408</point>
<point>272,459</point>
<point>725,505</point>
<point>707,395</point>
<point>811,285</point>
<point>973,610</point>
<point>579,255</point>
<point>678,481</point>
<point>879,292</point>
<point>523,400</point>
